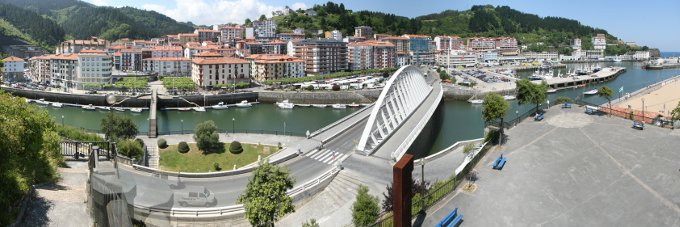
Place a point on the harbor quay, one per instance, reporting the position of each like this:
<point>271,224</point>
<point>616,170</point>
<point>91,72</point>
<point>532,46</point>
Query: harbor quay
<point>652,104</point>
<point>574,169</point>
<point>606,74</point>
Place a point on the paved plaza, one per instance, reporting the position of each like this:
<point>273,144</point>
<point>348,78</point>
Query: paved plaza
<point>573,169</point>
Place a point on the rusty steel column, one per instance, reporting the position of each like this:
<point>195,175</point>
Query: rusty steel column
<point>401,194</point>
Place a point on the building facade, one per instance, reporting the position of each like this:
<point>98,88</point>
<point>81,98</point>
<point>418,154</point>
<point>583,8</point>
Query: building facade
<point>168,66</point>
<point>456,58</point>
<point>13,67</point>
<point>421,49</point>
<point>204,35</point>
<point>93,67</point>
<point>599,42</point>
<point>371,55</point>
<point>264,28</point>
<point>130,60</point>
<point>275,66</point>
<point>363,32</point>
<point>322,55</point>
<point>75,46</point>
<point>209,72</point>
<point>228,33</point>
<point>448,43</point>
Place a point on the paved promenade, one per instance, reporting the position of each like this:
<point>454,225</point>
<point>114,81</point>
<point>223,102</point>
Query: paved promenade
<point>573,169</point>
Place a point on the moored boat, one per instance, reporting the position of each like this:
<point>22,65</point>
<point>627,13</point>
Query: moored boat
<point>104,108</point>
<point>57,105</point>
<point>244,104</point>
<point>42,102</point>
<point>119,109</point>
<point>339,106</point>
<point>591,92</point>
<point>136,110</point>
<point>354,105</point>
<point>509,97</point>
<point>319,105</point>
<point>220,106</point>
<point>551,91</point>
<point>88,107</point>
<point>285,104</point>
<point>199,109</point>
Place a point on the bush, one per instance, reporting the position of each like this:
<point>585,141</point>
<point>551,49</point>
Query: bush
<point>117,126</point>
<point>468,148</point>
<point>492,136</point>
<point>130,148</point>
<point>336,87</point>
<point>365,209</point>
<point>217,166</point>
<point>140,142</point>
<point>183,147</point>
<point>72,133</point>
<point>562,99</point>
<point>206,136</point>
<point>310,88</point>
<point>162,143</point>
<point>235,147</point>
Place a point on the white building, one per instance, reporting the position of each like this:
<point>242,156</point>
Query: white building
<point>13,67</point>
<point>228,33</point>
<point>541,56</point>
<point>335,35</point>
<point>93,67</point>
<point>209,72</point>
<point>641,55</point>
<point>456,58</point>
<point>599,42</point>
<point>177,66</point>
<point>576,44</point>
<point>363,32</point>
<point>264,28</point>
<point>275,66</point>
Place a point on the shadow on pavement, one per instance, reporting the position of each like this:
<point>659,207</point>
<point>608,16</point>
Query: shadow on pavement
<point>37,212</point>
<point>420,219</point>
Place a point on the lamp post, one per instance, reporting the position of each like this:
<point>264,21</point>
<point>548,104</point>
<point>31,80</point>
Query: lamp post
<point>517,114</point>
<point>233,129</point>
<point>182,121</point>
<point>284,128</point>
<point>643,109</point>
<point>422,183</point>
<point>62,120</point>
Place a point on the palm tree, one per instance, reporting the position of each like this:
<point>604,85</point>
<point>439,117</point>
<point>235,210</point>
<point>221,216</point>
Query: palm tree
<point>606,93</point>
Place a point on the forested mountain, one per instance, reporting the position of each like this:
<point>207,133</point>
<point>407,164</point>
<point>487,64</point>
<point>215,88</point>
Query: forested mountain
<point>538,33</point>
<point>77,19</point>
<point>29,26</point>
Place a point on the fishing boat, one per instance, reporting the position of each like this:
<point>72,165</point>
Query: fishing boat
<point>88,107</point>
<point>136,110</point>
<point>509,97</point>
<point>303,105</point>
<point>244,104</point>
<point>591,92</point>
<point>339,106</point>
<point>42,102</point>
<point>199,109</point>
<point>119,109</point>
<point>57,105</point>
<point>319,105</point>
<point>285,104</point>
<point>354,105</point>
<point>220,106</point>
<point>104,108</point>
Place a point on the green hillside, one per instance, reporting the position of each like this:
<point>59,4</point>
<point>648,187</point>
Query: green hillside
<point>26,25</point>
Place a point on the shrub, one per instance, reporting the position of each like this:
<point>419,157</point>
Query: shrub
<point>492,136</point>
<point>562,99</point>
<point>140,142</point>
<point>217,166</point>
<point>206,136</point>
<point>130,148</point>
<point>72,133</point>
<point>183,147</point>
<point>365,209</point>
<point>235,147</point>
<point>162,143</point>
<point>310,88</point>
<point>468,148</point>
<point>336,87</point>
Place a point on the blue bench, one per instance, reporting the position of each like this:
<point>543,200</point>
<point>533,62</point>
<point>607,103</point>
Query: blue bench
<point>566,105</point>
<point>538,117</point>
<point>499,163</point>
<point>452,219</point>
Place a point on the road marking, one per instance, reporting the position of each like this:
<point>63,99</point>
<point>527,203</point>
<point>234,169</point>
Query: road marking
<point>333,155</point>
<point>312,153</point>
<point>324,156</point>
<point>319,154</point>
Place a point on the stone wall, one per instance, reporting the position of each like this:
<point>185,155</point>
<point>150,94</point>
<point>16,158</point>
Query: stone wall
<point>329,97</point>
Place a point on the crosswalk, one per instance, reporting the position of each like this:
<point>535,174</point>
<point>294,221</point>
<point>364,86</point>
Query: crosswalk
<point>326,156</point>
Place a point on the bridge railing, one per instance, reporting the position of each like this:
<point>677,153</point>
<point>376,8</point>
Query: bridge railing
<point>350,116</point>
<point>403,147</point>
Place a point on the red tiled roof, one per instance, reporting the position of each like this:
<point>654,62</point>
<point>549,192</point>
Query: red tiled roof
<point>395,38</point>
<point>273,58</point>
<point>12,59</point>
<point>167,59</point>
<point>218,61</point>
<point>92,51</point>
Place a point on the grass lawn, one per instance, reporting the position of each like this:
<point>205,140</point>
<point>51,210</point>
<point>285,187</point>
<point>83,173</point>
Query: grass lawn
<point>196,161</point>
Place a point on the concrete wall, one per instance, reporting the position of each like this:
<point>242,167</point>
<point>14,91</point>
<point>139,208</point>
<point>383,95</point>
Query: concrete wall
<point>329,97</point>
<point>207,100</point>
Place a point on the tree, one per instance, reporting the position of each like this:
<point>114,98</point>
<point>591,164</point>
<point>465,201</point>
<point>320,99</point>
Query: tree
<point>494,107</point>
<point>365,209</point>
<point>528,92</point>
<point>262,17</point>
<point>235,147</point>
<point>416,188</point>
<point>206,136</point>
<point>116,127</point>
<point>265,199</point>
<point>247,22</point>
<point>675,113</point>
<point>311,223</point>
<point>443,75</point>
<point>130,148</point>
<point>606,93</point>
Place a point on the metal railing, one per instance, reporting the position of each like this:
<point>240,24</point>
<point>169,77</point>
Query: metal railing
<point>327,127</point>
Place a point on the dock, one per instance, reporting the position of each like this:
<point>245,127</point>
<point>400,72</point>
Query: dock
<point>153,131</point>
<point>606,74</point>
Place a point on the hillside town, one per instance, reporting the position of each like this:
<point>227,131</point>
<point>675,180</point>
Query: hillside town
<point>235,53</point>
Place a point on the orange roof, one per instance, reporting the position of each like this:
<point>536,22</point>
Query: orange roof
<point>92,51</point>
<point>448,36</point>
<point>12,58</point>
<point>277,42</point>
<point>168,48</point>
<point>186,34</point>
<point>116,54</point>
<point>272,58</point>
<point>205,30</point>
<point>395,38</point>
<point>416,36</point>
<point>167,59</point>
<point>208,54</point>
<point>218,61</point>
<point>372,43</point>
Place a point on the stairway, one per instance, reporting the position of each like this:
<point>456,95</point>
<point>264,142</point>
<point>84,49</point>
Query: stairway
<point>342,189</point>
<point>153,156</point>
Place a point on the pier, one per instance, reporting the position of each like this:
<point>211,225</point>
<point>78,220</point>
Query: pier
<point>153,131</point>
<point>603,75</point>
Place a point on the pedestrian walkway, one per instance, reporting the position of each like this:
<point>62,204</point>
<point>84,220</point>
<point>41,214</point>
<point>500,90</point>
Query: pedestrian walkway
<point>326,156</point>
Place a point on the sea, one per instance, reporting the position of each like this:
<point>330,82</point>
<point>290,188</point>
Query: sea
<point>670,54</point>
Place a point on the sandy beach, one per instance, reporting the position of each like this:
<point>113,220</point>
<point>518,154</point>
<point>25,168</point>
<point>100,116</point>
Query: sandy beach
<point>657,101</point>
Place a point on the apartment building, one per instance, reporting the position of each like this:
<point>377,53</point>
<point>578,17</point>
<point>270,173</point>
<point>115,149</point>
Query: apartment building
<point>599,42</point>
<point>168,66</point>
<point>446,42</point>
<point>130,60</point>
<point>275,66</point>
<point>290,36</point>
<point>209,72</point>
<point>322,55</point>
<point>270,47</point>
<point>363,32</point>
<point>265,28</point>
<point>401,45</point>
<point>75,46</point>
<point>204,35</point>
<point>371,55</point>
<point>162,52</point>
<point>228,33</point>
<point>421,49</point>
<point>92,67</point>
<point>456,58</point>
<point>13,67</point>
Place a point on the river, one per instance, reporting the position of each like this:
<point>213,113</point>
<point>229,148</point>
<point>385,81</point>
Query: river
<point>454,121</point>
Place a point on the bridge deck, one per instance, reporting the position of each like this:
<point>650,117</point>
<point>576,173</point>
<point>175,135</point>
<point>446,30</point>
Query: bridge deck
<point>421,114</point>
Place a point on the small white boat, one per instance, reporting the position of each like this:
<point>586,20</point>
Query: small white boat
<point>88,107</point>
<point>617,59</point>
<point>509,97</point>
<point>136,110</point>
<point>199,109</point>
<point>339,106</point>
<point>319,105</point>
<point>184,108</point>
<point>244,104</point>
<point>476,101</point>
<point>285,104</point>
<point>42,102</point>
<point>354,105</point>
<point>591,92</point>
<point>28,100</point>
<point>551,91</point>
<point>104,108</point>
<point>220,106</point>
<point>119,109</point>
<point>57,105</point>
<point>303,105</point>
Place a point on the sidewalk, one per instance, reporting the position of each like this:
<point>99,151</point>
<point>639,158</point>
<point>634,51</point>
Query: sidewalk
<point>63,203</point>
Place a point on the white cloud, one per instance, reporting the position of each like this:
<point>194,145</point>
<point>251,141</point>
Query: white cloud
<point>208,12</point>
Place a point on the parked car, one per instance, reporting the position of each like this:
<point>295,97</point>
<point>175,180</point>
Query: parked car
<point>198,196</point>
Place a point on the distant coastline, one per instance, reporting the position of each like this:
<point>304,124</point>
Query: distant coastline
<point>670,54</point>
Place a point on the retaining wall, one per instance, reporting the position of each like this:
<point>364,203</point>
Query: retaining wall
<point>329,97</point>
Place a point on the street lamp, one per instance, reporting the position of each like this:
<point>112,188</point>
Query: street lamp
<point>284,128</point>
<point>62,120</point>
<point>182,126</point>
<point>643,109</point>
<point>233,129</point>
<point>517,114</point>
<point>422,184</point>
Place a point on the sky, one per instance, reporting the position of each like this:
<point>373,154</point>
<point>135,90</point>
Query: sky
<point>653,22</point>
